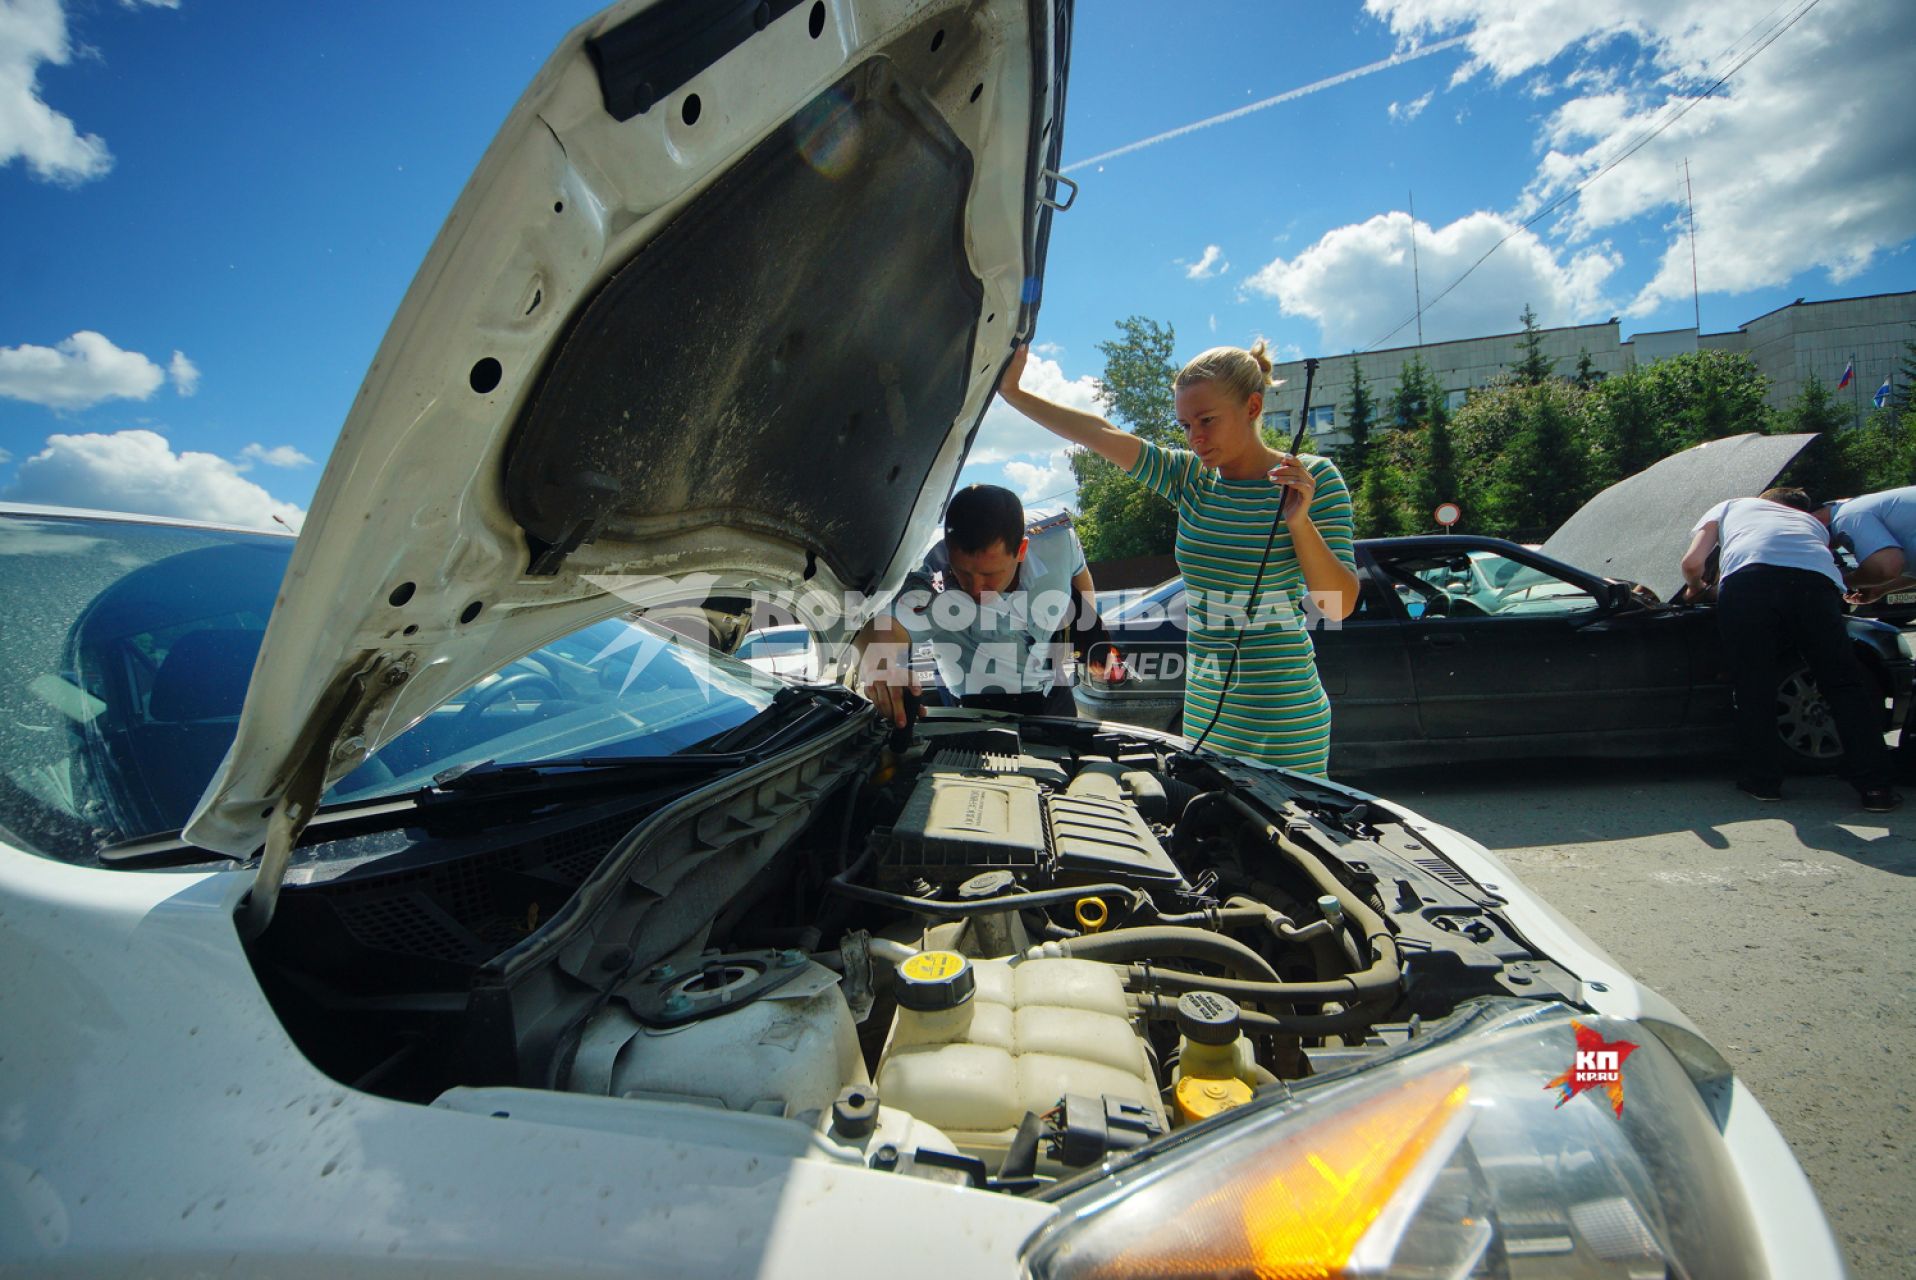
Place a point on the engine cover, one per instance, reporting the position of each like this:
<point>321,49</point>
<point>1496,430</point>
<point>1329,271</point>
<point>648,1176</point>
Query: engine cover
<point>959,822</point>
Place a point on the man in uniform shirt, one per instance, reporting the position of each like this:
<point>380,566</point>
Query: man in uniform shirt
<point>1777,586</point>
<point>1880,529</point>
<point>994,598</point>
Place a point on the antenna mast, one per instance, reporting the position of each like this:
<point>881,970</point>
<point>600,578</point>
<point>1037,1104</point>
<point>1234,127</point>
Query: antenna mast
<point>1416,283</point>
<point>1689,195</point>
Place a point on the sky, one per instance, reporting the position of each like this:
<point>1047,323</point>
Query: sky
<point>210,209</point>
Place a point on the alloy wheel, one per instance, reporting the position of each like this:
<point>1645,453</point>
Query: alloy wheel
<point>1803,718</point>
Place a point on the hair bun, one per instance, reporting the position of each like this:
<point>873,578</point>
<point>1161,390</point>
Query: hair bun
<point>1261,352</point>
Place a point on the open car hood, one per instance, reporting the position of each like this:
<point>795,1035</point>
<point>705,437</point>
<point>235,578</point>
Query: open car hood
<point>723,302</point>
<point>1638,529</point>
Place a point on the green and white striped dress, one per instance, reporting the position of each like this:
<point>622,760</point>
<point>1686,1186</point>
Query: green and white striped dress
<point>1275,710</point>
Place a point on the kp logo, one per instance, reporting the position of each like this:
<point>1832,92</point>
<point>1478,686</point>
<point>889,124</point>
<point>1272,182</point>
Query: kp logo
<point>1598,1065</point>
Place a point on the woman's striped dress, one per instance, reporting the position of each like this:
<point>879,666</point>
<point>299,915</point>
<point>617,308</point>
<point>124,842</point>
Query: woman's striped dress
<point>1275,710</point>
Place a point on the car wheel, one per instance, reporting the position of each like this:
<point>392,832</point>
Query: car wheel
<point>1804,722</point>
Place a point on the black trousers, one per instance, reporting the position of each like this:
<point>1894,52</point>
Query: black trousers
<point>1764,610</point>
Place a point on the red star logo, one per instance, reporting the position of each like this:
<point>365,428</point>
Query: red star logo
<point>1598,1065</point>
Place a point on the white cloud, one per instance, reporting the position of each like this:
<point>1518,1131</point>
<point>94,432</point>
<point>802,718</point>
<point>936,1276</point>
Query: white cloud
<point>1799,162</point>
<point>1047,478</point>
<point>1006,433</point>
<point>1213,322</point>
<point>1211,264</point>
<point>33,32</point>
<point>154,4</point>
<point>1408,111</point>
<point>184,373</point>
<point>81,371</point>
<point>5,457</point>
<point>138,471</point>
<point>280,455</point>
<point>1356,283</point>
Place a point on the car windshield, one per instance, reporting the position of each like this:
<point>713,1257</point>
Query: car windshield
<point>1485,583</point>
<point>126,648</point>
<point>1159,603</point>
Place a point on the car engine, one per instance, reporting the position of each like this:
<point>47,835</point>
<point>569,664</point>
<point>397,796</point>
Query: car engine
<point>985,951</point>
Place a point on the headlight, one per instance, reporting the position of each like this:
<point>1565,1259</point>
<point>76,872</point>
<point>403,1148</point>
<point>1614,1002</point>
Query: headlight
<point>1907,645</point>
<point>1460,1157</point>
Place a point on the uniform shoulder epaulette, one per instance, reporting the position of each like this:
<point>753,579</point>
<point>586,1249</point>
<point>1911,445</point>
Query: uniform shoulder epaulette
<point>1060,521</point>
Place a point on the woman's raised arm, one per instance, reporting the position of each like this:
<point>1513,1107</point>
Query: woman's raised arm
<point>1087,429</point>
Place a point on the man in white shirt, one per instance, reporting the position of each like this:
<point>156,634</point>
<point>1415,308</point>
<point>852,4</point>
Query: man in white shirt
<point>1778,590</point>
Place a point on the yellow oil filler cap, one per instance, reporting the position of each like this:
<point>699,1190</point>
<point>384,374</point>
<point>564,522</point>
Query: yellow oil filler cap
<point>1200,1099</point>
<point>935,980</point>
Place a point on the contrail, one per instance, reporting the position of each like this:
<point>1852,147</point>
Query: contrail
<point>1423,51</point>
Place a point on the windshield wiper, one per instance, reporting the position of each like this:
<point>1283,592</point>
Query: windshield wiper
<point>475,782</point>
<point>486,776</point>
<point>789,715</point>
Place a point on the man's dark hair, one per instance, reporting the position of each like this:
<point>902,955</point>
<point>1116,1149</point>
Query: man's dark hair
<point>981,514</point>
<point>1789,497</point>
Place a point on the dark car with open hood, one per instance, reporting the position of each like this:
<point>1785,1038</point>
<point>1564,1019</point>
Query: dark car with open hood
<point>1465,647</point>
<point>421,896</point>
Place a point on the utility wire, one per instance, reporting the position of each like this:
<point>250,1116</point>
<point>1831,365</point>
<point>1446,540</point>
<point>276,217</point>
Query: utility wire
<point>1635,146</point>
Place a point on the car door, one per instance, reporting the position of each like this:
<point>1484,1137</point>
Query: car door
<point>1500,645</point>
<point>1365,666</point>
<point>1648,666</point>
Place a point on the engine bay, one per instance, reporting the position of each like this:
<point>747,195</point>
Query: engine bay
<point>995,953</point>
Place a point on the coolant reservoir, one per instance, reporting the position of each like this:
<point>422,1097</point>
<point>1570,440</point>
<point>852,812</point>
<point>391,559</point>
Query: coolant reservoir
<point>1216,1066</point>
<point>978,1043</point>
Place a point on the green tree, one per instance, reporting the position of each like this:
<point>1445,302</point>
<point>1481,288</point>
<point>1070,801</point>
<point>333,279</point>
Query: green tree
<point>1547,462</point>
<point>1482,432</point>
<point>1825,467</point>
<point>1360,416</point>
<point>1905,379</point>
<point>1881,454</point>
<point>1533,368</point>
<point>1376,504</point>
<point>1117,516</point>
<point>1845,460</point>
<point>1626,433</point>
<point>1706,395</point>
<point>1524,450</point>
<point>1410,402</point>
<point>1424,451</point>
<point>1586,370</point>
<point>1137,386</point>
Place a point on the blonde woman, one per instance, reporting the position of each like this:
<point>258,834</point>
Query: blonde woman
<point>1250,518</point>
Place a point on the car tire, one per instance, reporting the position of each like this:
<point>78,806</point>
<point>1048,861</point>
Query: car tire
<point>1804,724</point>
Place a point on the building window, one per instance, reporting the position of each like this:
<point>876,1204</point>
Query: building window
<point>1454,400</point>
<point>1324,418</point>
<point>1278,420</point>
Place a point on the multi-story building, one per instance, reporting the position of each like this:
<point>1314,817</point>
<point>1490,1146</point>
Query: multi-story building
<point>1788,345</point>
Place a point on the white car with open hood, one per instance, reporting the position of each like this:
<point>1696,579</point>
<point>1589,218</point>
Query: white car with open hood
<point>419,897</point>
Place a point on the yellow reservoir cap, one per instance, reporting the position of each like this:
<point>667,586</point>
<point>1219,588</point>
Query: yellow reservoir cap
<point>1200,1098</point>
<point>935,980</point>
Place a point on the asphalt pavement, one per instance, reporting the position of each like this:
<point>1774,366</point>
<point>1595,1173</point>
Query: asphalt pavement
<point>1783,930</point>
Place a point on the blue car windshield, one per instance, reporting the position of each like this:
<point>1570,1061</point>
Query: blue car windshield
<point>126,648</point>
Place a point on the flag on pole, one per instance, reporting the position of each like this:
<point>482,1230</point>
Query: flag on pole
<point>1881,397</point>
<point>1849,375</point>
